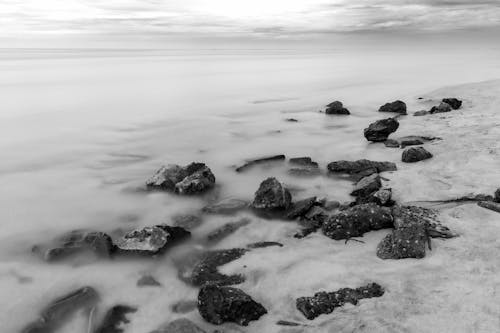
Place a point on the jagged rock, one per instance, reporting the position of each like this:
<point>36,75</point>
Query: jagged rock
<point>396,106</point>
<point>442,107</point>
<point>181,325</point>
<point>148,281</point>
<point>336,108</point>
<point>421,113</point>
<point>453,102</point>
<point>408,242</point>
<point>262,160</point>
<point>191,179</point>
<point>150,240</point>
<point>300,207</point>
<point>272,195</point>
<point>59,310</point>
<point>324,302</point>
<point>226,206</point>
<point>115,318</point>
<point>360,166</point>
<point>494,206</point>
<point>381,129</point>
<point>497,195</point>
<point>367,185</point>
<point>80,242</point>
<point>187,221</point>
<point>412,155</point>
<point>226,230</point>
<point>206,270</point>
<point>391,143</point>
<point>355,221</point>
<point>259,245</point>
<point>218,305</point>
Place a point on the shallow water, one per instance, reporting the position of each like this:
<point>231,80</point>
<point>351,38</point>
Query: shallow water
<point>82,130</point>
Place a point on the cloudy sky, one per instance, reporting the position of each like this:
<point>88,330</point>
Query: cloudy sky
<point>250,17</point>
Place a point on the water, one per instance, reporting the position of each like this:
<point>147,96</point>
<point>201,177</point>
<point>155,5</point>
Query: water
<point>82,130</point>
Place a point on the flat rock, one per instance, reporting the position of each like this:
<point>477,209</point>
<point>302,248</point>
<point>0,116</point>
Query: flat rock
<point>191,179</point>
<point>181,325</point>
<point>303,161</point>
<point>367,185</point>
<point>421,113</point>
<point>206,269</point>
<point>148,281</point>
<point>226,230</point>
<point>494,206</point>
<point>391,143</point>
<point>396,106</point>
<point>263,160</point>
<point>415,154</point>
<point>115,318</point>
<point>453,102</point>
<point>442,107</point>
<point>326,302</point>
<point>336,108</point>
<point>272,195</point>
<point>259,245</point>
<point>301,207</point>
<point>150,240</point>
<point>357,220</point>
<point>380,130</point>
<point>357,167</point>
<point>226,206</point>
<point>402,243</point>
<point>218,305</point>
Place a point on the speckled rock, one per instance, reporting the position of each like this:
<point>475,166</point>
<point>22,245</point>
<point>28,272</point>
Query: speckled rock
<point>206,269</point>
<point>272,195</point>
<point>396,106</point>
<point>408,242</point>
<point>381,129</point>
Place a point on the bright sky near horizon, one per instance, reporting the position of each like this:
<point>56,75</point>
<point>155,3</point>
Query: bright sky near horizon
<point>258,17</point>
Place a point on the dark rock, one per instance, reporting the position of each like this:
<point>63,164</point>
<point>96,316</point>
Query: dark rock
<point>292,120</point>
<point>453,102</point>
<point>336,108</point>
<point>61,309</point>
<point>151,240</point>
<point>262,160</point>
<point>497,195</point>
<point>226,230</point>
<point>206,269</point>
<point>355,221</point>
<point>367,185</point>
<point>287,323</point>
<point>115,318</point>
<point>421,113</point>
<point>396,106</point>
<point>304,172</point>
<point>226,206</point>
<point>187,221</point>
<point>411,142</point>
<point>324,302</point>
<point>80,242</point>
<point>191,179</point>
<point>181,325</point>
<point>199,181</point>
<point>381,129</point>
<point>166,177</point>
<point>272,195</point>
<point>442,107</point>
<point>359,166</point>
<point>218,305</point>
<point>405,216</point>
<point>259,245</point>
<point>412,155</point>
<point>184,306</point>
<point>300,207</point>
<point>303,161</point>
<point>494,206</point>
<point>148,281</point>
<point>391,143</point>
<point>408,242</point>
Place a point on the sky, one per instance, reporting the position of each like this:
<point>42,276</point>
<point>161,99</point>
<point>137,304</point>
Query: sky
<point>34,19</point>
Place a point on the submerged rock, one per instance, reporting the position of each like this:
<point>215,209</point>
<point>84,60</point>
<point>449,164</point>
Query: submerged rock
<point>442,107</point>
<point>150,240</point>
<point>453,102</point>
<point>115,318</point>
<point>367,185</point>
<point>360,166</point>
<point>257,161</point>
<point>391,143</point>
<point>80,242</point>
<point>305,166</point>
<point>61,309</point>
<point>324,302</point>
<point>381,129</point>
<point>408,242</point>
<point>226,206</point>
<point>412,155</point>
<point>272,195</point>
<point>336,108</point>
<point>421,113</point>
<point>494,206</point>
<point>226,230</point>
<point>148,281</point>
<point>396,106</point>
<point>184,306</point>
<point>357,220</point>
<point>303,161</point>
<point>206,270</point>
<point>187,221</point>
<point>301,207</point>
<point>259,245</point>
<point>181,325</point>
<point>218,305</point>
<point>191,179</point>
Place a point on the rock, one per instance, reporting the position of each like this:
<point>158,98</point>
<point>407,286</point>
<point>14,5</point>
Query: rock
<point>191,179</point>
<point>367,185</point>
<point>187,221</point>
<point>148,281</point>
<point>408,242</point>
<point>411,142</point>
<point>80,242</point>
<point>181,325</point>
<point>359,166</point>
<point>150,240</point>
<point>391,143</point>
<point>421,113</point>
<point>381,129</point>
<point>303,161</point>
<point>383,197</point>
<point>324,302</point>
<point>287,323</point>
<point>59,310</point>
<point>396,106</point>
<point>115,318</point>
<point>306,167</point>
<point>494,206</point>
<point>304,172</point>
<point>226,206</point>
<point>184,306</point>
<point>272,195</point>
<point>497,195</point>
<point>292,120</point>
<point>412,155</point>
<point>355,221</point>
<point>218,305</point>
<point>262,160</point>
<point>336,108</point>
<point>442,107</point>
<point>259,245</point>
<point>300,208</point>
<point>405,216</point>
<point>206,270</point>
<point>453,102</point>
<point>226,230</point>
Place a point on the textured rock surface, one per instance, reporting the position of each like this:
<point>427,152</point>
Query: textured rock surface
<point>415,154</point>
<point>367,185</point>
<point>191,179</point>
<point>356,167</point>
<point>206,270</point>
<point>396,106</point>
<point>381,129</point>
<point>300,208</point>
<point>150,240</point>
<point>408,242</point>
<point>272,195</point>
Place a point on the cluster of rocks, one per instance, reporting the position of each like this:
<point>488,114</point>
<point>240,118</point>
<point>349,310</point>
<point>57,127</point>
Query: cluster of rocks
<point>191,179</point>
<point>446,105</point>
